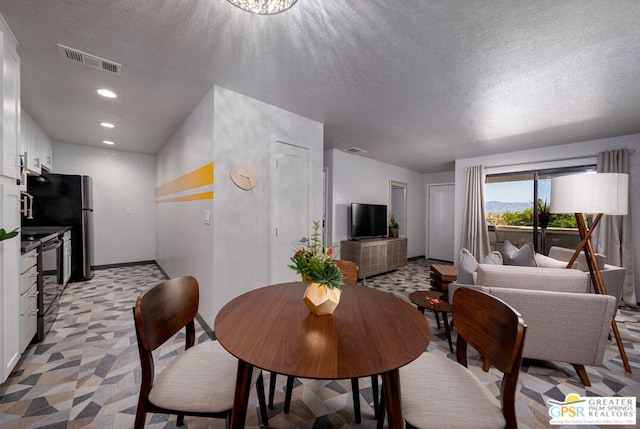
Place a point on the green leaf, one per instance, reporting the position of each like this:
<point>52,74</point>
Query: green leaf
<point>4,235</point>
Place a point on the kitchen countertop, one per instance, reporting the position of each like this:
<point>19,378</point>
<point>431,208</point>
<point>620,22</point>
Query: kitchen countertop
<point>44,234</point>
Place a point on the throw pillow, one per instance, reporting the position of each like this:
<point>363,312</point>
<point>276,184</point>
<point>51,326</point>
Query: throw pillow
<point>468,265</point>
<point>523,257</point>
<point>547,262</point>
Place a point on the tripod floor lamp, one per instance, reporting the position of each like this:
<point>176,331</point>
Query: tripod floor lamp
<point>598,194</point>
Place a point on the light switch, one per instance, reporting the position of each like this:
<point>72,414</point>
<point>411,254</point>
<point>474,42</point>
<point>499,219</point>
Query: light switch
<point>207,217</point>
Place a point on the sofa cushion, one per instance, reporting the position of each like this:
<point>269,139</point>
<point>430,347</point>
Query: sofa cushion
<point>523,257</point>
<point>543,261</point>
<point>468,265</point>
<point>533,278</point>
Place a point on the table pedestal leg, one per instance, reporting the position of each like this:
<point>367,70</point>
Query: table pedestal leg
<point>241,395</point>
<point>391,385</point>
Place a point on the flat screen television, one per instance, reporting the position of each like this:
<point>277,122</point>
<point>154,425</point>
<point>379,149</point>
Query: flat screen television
<point>368,220</point>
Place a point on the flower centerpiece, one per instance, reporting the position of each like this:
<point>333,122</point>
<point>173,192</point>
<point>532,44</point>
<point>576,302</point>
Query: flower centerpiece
<point>313,261</point>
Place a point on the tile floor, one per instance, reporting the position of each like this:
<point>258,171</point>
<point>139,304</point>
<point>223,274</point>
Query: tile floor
<point>86,374</point>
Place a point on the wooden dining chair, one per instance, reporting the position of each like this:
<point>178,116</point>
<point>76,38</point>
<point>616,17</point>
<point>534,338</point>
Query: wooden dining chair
<point>438,392</point>
<point>351,273</point>
<point>198,382</point>
<point>349,270</point>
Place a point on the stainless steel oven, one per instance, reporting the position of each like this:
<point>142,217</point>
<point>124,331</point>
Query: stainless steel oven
<point>51,288</point>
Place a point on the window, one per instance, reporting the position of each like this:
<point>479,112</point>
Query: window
<point>517,209</point>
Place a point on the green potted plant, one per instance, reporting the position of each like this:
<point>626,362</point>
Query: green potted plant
<point>393,226</point>
<point>313,261</point>
<point>543,214</point>
<point>4,235</point>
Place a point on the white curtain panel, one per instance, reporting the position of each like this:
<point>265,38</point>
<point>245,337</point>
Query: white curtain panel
<point>613,236</point>
<point>475,234</point>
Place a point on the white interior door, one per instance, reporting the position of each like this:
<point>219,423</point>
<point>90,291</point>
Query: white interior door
<point>441,209</point>
<point>291,207</point>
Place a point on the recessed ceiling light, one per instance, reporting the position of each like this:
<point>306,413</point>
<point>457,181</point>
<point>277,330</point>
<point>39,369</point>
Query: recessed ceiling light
<point>107,142</point>
<point>106,93</point>
<point>107,124</point>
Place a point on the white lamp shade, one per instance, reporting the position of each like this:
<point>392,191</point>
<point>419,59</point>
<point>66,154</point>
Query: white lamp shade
<point>606,193</point>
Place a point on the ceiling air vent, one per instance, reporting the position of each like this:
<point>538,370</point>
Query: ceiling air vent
<point>354,150</point>
<point>89,60</point>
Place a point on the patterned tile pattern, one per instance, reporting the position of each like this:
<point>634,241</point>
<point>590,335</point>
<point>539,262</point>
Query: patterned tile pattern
<point>86,372</point>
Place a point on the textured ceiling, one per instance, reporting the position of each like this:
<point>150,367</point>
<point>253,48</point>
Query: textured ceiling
<point>416,83</point>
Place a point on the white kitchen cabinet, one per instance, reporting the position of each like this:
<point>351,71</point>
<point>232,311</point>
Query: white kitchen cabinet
<point>10,106</point>
<point>9,280</point>
<point>35,145</point>
<point>31,138</point>
<point>46,153</point>
<point>28,298</point>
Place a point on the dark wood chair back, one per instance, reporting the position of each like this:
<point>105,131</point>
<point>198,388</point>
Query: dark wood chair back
<point>497,331</point>
<point>349,269</point>
<point>164,310</point>
<point>158,315</point>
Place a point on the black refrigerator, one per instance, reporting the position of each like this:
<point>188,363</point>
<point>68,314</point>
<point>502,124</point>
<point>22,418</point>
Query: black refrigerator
<point>66,200</point>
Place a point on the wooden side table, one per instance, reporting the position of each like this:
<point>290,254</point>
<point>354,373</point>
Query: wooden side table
<point>442,275</point>
<point>419,298</point>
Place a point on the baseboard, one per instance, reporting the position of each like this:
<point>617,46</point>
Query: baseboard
<point>130,264</point>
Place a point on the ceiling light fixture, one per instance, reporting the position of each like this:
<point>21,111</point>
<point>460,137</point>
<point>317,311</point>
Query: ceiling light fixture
<point>107,124</point>
<point>107,142</point>
<point>106,93</point>
<point>263,7</point>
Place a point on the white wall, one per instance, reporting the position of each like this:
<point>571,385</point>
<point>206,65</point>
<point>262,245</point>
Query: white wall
<point>230,256</point>
<point>563,155</point>
<point>121,181</point>
<point>183,240</point>
<point>356,179</point>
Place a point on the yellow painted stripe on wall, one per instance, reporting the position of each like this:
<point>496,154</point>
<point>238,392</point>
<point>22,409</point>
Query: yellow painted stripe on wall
<point>197,178</point>
<point>192,197</point>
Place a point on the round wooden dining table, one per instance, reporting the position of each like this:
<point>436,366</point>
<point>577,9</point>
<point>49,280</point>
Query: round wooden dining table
<point>371,332</point>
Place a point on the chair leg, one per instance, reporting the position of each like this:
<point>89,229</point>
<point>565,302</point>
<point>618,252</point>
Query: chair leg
<point>261,400</point>
<point>180,421</point>
<point>582,374</point>
<point>287,394</point>
<point>376,395</point>
<point>272,388</point>
<point>227,420</point>
<point>140,418</point>
<point>355,392</point>
<point>141,414</point>
<point>382,410</point>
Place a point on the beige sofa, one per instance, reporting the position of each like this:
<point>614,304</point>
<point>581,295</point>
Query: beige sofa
<point>565,322</point>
